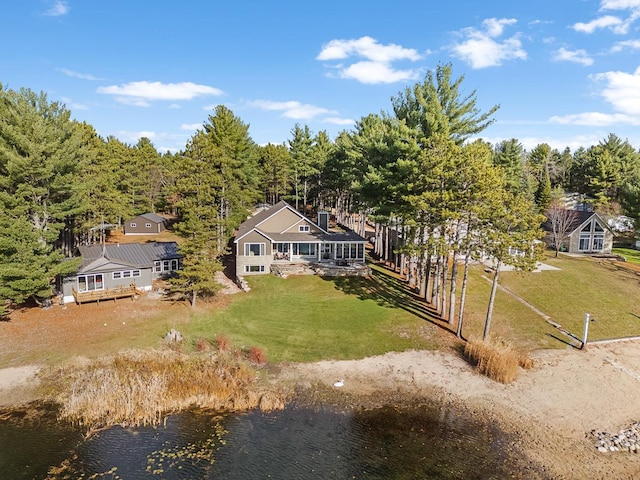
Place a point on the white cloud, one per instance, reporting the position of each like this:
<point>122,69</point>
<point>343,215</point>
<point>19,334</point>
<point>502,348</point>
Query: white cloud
<point>595,119</point>
<point>619,4</point>
<point>481,49</point>
<point>292,109</point>
<point>373,62</point>
<point>339,121</point>
<point>622,90</point>
<point>576,56</point>
<point>366,47</point>
<point>83,76</point>
<point>631,44</point>
<point>140,93</point>
<point>608,21</point>
<point>73,105</point>
<point>376,72</point>
<point>191,126</point>
<point>133,137</point>
<point>58,9</point>
<point>175,106</point>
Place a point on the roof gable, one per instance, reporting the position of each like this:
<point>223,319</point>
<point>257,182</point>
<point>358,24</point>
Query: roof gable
<point>268,216</point>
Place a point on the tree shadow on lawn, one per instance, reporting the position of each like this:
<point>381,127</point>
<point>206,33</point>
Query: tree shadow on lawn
<point>390,292</point>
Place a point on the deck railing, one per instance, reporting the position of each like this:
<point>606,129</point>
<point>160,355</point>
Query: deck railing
<point>106,294</point>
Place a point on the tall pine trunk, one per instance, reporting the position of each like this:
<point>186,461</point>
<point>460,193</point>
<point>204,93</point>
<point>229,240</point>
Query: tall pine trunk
<point>492,298</point>
<point>463,291</point>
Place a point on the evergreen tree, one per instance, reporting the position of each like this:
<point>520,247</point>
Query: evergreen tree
<point>39,163</point>
<point>509,155</point>
<point>437,106</point>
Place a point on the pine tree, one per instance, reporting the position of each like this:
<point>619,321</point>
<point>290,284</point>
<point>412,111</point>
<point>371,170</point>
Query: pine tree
<point>39,163</point>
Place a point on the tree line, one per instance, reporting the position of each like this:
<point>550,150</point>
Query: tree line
<point>436,197</point>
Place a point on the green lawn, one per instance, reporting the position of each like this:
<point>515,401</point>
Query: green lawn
<point>583,285</point>
<point>308,318</point>
<point>632,255</point>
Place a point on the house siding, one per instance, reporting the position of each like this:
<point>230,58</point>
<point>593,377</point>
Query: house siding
<point>262,263</point>
<point>138,226</point>
<point>283,221</point>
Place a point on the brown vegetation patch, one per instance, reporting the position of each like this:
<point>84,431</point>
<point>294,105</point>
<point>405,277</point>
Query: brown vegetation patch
<point>496,359</point>
<point>141,387</point>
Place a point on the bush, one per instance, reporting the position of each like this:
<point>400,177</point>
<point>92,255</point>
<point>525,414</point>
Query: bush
<point>496,359</point>
<point>203,345</point>
<point>257,356</point>
<point>222,343</point>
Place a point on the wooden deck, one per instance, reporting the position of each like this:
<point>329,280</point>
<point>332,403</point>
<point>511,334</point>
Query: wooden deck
<point>106,294</point>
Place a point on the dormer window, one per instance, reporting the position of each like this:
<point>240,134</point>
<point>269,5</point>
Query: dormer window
<point>303,228</point>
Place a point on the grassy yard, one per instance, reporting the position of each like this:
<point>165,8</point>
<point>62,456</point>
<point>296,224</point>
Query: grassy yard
<point>632,255</point>
<point>308,318</point>
<point>583,285</point>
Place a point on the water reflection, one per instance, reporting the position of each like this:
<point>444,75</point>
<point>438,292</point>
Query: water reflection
<point>300,442</point>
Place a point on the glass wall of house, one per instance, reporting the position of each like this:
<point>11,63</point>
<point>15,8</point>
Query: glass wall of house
<point>308,250</point>
<point>591,237</point>
<point>281,251</point>
<point>349,251</point>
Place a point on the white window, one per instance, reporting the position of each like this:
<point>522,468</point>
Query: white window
<point>148,225</point>
<point>306,249</point>
<point>133,224</point>
<point>253,249</point>
<point>126,274</point>
<point>253,268</point>
<point>90,283</point>
<point>116,275</point>
<point>157,266</point>
<point>584,242</point>
<point>303,228</point>
<point>135,273</point>
<point>598,241</point>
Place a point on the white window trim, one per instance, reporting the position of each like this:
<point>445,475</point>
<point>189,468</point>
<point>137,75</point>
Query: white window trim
<point>262,249</point>
<point>148,225</point>
<point>133,224</point>
<point>304,228</point>
<point>247,268</point>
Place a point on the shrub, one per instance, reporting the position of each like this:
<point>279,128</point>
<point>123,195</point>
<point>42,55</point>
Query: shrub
<point>496,359</point>
<point>257,356</point>
<point>202,345</point>
<point>222,343</point>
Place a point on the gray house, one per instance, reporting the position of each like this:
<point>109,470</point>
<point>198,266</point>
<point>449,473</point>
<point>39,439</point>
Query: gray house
<point>145,224</point>
<point>280,235</point>
<point>119,270</point>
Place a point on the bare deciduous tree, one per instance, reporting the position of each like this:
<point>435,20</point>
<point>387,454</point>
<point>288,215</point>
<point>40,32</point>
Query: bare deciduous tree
<point>561,222</point>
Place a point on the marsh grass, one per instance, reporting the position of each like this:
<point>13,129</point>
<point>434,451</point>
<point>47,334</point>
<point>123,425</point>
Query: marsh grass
<point>497,359</point>
<point>141,387</point>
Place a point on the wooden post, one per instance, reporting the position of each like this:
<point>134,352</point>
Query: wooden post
<point>586,331</point>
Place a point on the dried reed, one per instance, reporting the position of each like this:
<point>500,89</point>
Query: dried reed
<point>496,359</point>
<point>141,387</point>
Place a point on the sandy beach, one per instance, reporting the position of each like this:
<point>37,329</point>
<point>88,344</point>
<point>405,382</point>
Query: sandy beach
<point>552,408</point>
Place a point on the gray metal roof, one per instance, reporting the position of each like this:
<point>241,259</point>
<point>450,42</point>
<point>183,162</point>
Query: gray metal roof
<point>152,217</point>
<point>139,255</point>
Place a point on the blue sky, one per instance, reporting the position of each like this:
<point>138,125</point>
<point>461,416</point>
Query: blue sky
<point>564,72</point>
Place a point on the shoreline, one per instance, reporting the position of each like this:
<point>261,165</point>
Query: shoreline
<point>549,410</point>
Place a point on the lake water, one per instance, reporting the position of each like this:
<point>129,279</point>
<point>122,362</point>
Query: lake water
<point>297,443</point>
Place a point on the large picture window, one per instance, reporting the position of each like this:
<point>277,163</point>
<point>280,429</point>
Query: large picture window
<point>584,242</point>
<point>254,249</point>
